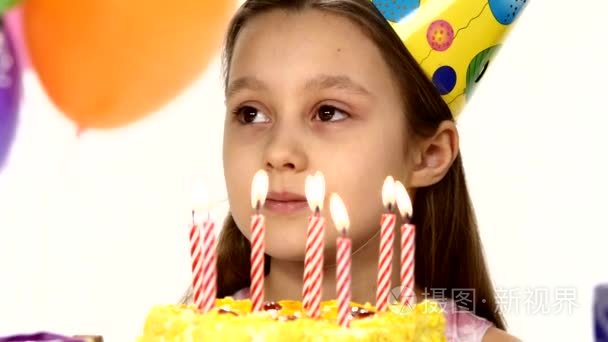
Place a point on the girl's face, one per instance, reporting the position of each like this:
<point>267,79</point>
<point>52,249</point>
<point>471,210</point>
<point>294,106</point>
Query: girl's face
<point>309,91</point>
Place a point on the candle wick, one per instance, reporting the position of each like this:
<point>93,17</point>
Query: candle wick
<point>389,207</point>
<point>257,207</point>
<point>317,211</point>
<point>344,232</point>
<point>193,221</point>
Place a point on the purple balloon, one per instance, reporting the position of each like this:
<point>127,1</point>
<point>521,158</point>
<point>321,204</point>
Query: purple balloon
<point>10,93</point>
<point>41,336</point>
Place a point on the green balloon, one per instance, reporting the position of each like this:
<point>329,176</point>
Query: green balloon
<point>477,68</point>
<point>7,4</point>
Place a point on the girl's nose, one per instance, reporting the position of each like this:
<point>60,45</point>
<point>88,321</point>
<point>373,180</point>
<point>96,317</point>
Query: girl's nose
<point>285,152</point>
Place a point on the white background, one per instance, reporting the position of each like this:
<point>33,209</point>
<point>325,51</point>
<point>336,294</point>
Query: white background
<point>93,230</point>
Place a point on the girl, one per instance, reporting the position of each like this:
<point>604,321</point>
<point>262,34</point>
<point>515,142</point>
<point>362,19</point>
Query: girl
<point>327,85</point>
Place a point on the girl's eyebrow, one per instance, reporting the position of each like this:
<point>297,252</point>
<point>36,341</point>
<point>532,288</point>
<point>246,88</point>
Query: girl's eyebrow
<point>243,83</point>
<point>336,81</point>
<point>320,82</point>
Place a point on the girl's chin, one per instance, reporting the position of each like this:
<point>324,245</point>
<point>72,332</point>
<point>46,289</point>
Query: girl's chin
<point>284,249</point>
<point>286,255</point>
<point>295,251</point>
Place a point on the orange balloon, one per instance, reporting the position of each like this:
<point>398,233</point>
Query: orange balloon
<point>106,63</point>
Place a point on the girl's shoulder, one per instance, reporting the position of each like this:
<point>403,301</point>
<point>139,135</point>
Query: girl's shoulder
<point>241,294</point>
<point>461,325</point>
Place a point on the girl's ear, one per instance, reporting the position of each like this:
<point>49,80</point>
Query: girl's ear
<point>434,156</point>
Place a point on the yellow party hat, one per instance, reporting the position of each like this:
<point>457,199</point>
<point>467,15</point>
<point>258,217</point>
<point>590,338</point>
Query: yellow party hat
<point>452,40</point>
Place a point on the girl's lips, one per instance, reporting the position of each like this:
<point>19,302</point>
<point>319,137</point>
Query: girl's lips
<point>285,207</point>
<point>285,202</point>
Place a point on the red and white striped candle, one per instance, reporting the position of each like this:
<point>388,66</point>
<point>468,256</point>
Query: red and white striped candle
<point>259,190</point>
<point>343,259</point>
<point>387,238</point>
<point>203,253</point>
<point>209,266</point>
<point>313,259</point>
<point>197,262</point>
<point>408,238</point>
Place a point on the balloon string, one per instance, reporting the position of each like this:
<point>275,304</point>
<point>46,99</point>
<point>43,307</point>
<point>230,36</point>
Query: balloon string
<point>456,97</point>
<point>471,20</point>
<point>457,31</point>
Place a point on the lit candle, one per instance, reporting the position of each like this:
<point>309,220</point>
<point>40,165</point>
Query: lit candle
<point>408,238</point>
<point>387,237</point>
<point>313,259</point>
<point>343,259</point>
<point>204,257</point>
<point>259,190</point>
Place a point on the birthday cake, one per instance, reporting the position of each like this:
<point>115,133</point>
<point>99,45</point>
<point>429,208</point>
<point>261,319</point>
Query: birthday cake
<point>232,320</point>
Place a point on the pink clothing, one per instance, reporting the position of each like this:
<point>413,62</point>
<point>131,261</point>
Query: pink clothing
<point>241,294</point>
<point>461,325</point>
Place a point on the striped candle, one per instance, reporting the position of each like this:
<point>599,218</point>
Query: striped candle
<point>343,283</point>
<point>387,237</point>
<point>407,264</point>
<point>313,258</point>
<point>257,262</point>
<point>343,260</point>
<point>313,266</point>
<point>385,261</point>
<point>203,252</point>
<point>408,238</point>
<point>259,190</point>
<point>196,258</point>
<point>209,267</point>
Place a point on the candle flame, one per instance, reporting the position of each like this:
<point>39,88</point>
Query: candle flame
<point>315,190</point>
<point>259,189</point>
<point>403,200</point>
<point>338,212</point>
<point>388,191</point>
<point>200,200</point>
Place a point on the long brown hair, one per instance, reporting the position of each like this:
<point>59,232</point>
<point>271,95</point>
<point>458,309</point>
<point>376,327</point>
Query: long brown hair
<point>451,255</point>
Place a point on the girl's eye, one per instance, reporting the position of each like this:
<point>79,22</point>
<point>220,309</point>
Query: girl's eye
<point>329,113</point>
<point>251,115</point>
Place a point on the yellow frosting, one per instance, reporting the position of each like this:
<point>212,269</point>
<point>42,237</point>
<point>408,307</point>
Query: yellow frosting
<point>181,323</point>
